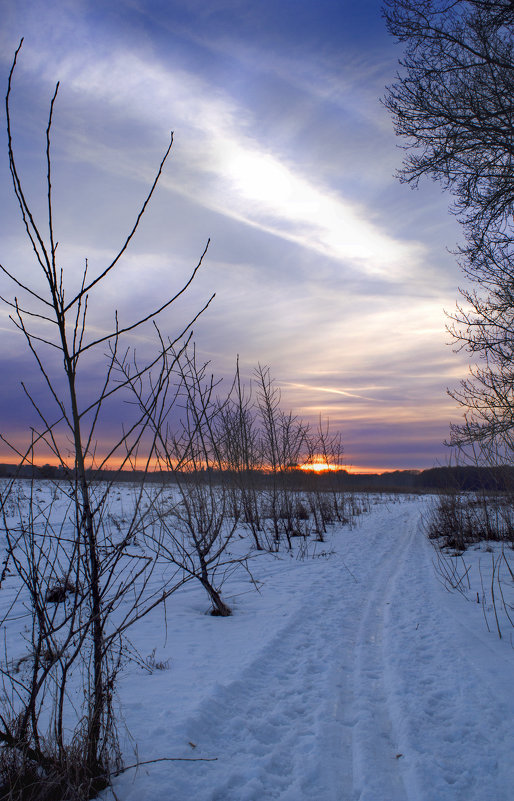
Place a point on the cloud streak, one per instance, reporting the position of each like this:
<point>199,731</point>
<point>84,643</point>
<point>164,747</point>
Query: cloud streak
<point>227,169</point>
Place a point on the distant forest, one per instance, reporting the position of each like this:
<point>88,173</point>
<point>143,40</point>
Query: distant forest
<point>459,478</point>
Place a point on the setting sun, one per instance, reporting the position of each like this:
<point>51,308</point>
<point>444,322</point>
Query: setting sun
<point>319,466</point>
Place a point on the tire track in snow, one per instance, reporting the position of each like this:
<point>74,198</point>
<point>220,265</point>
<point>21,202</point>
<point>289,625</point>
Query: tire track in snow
<point>311,714</point>
<point>377,774</point>
<point>273,717</point>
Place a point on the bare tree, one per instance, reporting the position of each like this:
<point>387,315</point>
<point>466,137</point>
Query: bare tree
<point>196,520</point>
<point>453,102</point>
<point>283,440</point>
<point>326,452</point>
<point>238,437</point>
<point>75,574</point>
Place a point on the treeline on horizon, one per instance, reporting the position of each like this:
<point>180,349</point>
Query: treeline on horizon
<point>465,478</point>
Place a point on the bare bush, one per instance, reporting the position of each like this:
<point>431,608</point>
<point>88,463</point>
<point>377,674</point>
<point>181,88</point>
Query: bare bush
<point>458,519</point>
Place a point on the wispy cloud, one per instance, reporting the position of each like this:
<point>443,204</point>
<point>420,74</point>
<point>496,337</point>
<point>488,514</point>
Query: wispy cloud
<point>228,170</point>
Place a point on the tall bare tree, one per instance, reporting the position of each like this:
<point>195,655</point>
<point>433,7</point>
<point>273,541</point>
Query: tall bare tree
<point>453,103</point>
<point>75,573</point>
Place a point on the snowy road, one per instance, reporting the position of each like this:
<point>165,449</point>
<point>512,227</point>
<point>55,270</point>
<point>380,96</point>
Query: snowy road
<point>353,677</point>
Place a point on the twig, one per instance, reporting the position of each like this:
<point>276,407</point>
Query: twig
<point>483,596</point>
<point>495,565</point>
<point>163,759</point>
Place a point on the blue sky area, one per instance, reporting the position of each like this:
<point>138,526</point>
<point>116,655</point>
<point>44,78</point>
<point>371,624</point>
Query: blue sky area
<point>324,266</point>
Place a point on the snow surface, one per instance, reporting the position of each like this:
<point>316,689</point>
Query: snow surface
<point>353,675</point>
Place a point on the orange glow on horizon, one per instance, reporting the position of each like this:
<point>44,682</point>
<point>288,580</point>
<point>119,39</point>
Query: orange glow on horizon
<point>114,463</point>
<point>360,470</point>
<point>316,466</point>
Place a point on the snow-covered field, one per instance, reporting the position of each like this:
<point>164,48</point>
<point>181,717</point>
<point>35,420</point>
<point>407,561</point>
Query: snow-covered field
<point>352,675</point>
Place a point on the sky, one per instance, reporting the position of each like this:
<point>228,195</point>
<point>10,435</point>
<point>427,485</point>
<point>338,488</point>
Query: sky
<point>324,266</point>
